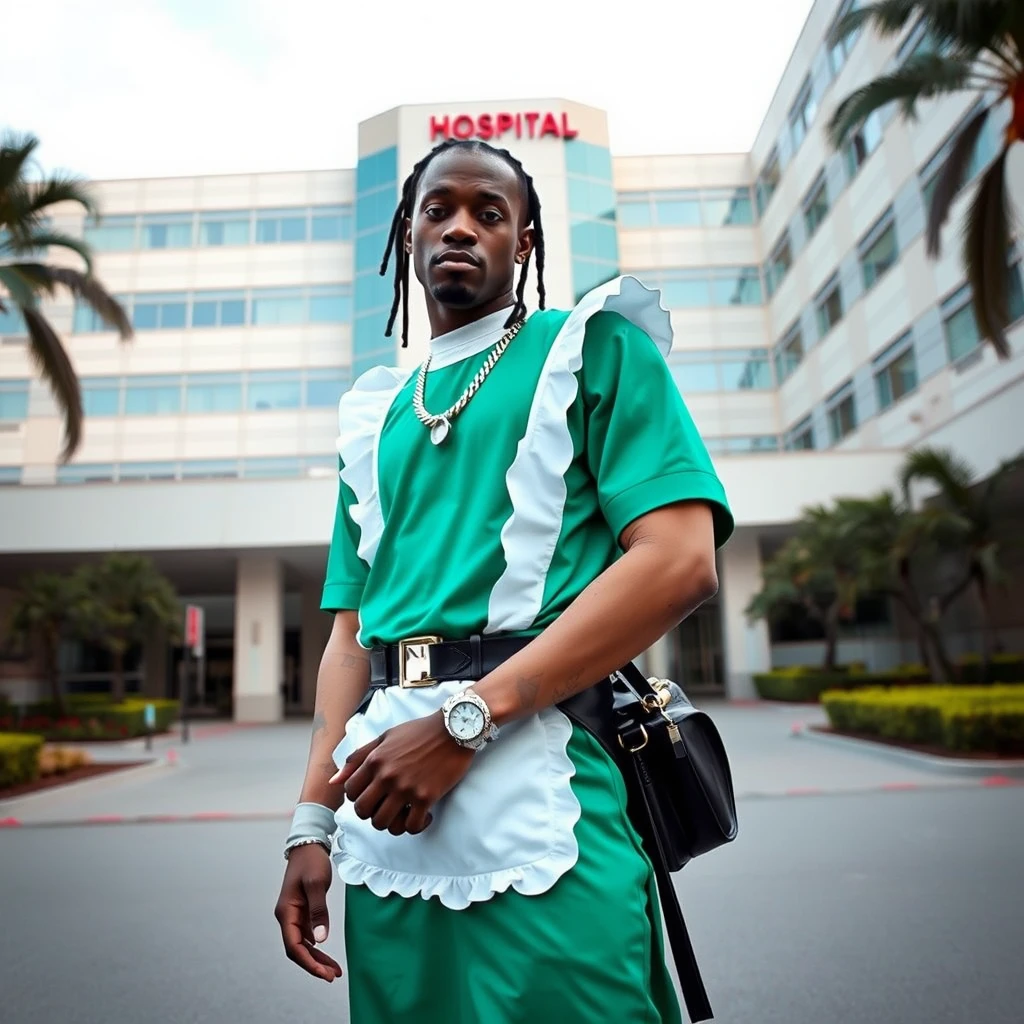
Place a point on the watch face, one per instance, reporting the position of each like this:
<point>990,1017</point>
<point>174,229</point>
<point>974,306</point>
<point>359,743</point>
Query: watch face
<point>466,721</point>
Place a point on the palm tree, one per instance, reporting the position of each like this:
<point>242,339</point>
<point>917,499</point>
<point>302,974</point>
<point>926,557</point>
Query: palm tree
<point>978,45</point>
<point>816,570</point>
<point>40,616</point>
<point>954,480</point>
<point>126,597</point>
<point>24,232</point>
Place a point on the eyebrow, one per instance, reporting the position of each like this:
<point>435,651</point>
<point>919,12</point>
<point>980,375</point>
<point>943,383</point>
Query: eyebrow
<point>485,194</point>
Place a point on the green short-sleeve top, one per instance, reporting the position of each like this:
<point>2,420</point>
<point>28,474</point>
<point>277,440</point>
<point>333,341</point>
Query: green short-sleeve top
<point>578,430</point>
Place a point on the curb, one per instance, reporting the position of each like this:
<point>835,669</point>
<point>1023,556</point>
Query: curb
<point>984,771</point>
<point>204,817</point>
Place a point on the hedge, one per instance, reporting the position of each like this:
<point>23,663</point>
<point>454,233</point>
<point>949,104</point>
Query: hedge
<point>955,718</point>
<point>806,684</point>
<point>1005,668</point>
<point>92,720</point>
<point>19,758</point>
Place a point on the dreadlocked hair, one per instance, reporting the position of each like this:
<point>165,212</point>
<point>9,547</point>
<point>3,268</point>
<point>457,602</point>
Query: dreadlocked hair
<point>404,210</point>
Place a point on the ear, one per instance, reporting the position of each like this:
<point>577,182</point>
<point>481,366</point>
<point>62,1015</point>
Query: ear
<point>408,235</point>
<point>525,246</point>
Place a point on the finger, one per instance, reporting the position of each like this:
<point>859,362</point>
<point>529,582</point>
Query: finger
<point>370,799</point>
<point>299,953</point>
<point>360,779</point>
<point>355,760</point>
<point>316,901</point>
<point>324,960</point>
<point>417,819</point>
<point>390,812</point>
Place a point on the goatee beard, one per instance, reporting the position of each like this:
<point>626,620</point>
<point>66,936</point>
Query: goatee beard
<point>453,294</point>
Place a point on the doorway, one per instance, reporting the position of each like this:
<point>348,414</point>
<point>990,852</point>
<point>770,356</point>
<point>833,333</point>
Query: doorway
<point>695,657</point>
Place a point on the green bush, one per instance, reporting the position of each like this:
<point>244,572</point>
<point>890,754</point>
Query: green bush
<point>952,717</point>
<point>806,684</point>
<point>19,758</point>
<point>1005,668</point>
<point>93,720</point>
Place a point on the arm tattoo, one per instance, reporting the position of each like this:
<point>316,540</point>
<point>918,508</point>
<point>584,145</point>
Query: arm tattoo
<point>528,687</point>
<point>319,723</point>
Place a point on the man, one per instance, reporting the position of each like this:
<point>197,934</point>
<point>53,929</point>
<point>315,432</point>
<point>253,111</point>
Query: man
<point>537,496</point>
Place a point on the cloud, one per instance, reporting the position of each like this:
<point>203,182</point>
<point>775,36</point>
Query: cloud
<point>161,87</point>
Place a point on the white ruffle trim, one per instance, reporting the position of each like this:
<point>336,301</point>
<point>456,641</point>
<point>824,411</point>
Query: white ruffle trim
<point>361,414</point>
<point>508,824</point>
<point>536,478</point>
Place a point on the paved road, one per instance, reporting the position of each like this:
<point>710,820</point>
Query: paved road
<point>851,907</point>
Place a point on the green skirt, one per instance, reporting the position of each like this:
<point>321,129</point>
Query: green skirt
<point>587,951</point>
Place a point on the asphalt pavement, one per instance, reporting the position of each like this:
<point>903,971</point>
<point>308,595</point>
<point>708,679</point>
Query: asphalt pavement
<point>858,891</point>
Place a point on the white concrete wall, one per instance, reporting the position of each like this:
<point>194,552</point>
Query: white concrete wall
<point>259,640</point>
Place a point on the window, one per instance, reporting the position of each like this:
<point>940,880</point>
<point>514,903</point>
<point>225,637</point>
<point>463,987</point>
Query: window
<point>918,40</point>
<point>682,210</point>
<point>712,207</point>
<point>280,226</point>
<point>13,399</point>
<point>324,388</point>
<point>101,396</point>
<point>330,304</point>
<point>802,115</point>
<point>690,288</point>
<point>86,473</point>
<point>232,227</point>
<point>331,224</point>
<point>111,234</point>
<point>878,250</point>
<point>270,468</point>
<point>753,373</point>
<point>742,445</point>
<point>152,396</point>
<point>635,210</point>
<point>722,371</point>
<point>218,309</point>
<point>278,306</point>
<point>591,198</point>
<point>736,286</point>
<point>959,325</point>
<point>695,375</point>
<point>587,160</point>
<point>727,206</point>
<point>985,148</point>
<point>828,306</point>
<point>789,352</point>
<point>159,312</point>
<point>895,371</point>
<point>167,231</point>
<point>840,48</point>
<point>815,205</point>
<point>800,438</point>
<point>147,471</point>
<point>12,324</point>
<point>778,264</point>
<point>87,320</point>
<point>842,413</point>
<point>863,143</point>
<point>274,389</point>
<point>767,182</point>
<point>213,392</point>
<point>209,469</point>
<point>10,475</point>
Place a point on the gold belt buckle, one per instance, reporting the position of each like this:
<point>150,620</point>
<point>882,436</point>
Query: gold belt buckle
<point>414,661</point>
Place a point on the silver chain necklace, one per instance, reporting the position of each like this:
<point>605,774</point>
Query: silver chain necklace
<point>440,425</point>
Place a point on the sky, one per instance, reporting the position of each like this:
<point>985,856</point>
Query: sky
<point>136,88</point>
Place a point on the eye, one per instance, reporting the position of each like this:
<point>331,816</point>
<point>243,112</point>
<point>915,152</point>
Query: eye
<point>491,216</point>
<point>434,212</point>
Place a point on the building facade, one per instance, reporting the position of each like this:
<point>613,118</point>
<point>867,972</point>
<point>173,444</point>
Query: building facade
<point>815,342</point>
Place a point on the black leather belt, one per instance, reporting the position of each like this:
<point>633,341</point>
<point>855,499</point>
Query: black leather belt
<point>428,660</point>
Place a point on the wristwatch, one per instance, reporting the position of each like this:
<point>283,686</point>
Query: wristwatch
<point>468,720</point>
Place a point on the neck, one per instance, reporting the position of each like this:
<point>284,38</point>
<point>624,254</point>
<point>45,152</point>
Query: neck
<point>446,318</point>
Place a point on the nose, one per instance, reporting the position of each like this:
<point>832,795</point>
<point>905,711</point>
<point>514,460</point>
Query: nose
<point>460,229</point>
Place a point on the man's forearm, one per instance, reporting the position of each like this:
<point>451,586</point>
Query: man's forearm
<point>625,610</point>
<point>340,685</point>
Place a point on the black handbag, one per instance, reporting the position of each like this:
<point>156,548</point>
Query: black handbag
<point>681,798</point>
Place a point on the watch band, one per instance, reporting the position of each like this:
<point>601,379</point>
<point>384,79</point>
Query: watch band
<point>326,846</point>
<point>489,731</point>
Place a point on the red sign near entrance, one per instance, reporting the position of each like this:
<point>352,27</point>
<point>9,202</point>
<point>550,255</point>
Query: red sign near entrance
<point>194,632</point>
<point>531,125</point>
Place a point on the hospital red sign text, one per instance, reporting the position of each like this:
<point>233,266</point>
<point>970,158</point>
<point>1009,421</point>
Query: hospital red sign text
<point>529,125</point>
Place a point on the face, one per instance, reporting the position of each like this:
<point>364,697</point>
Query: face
<point>467,233</point>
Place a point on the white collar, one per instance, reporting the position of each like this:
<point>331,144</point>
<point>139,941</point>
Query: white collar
<point>480,335</point>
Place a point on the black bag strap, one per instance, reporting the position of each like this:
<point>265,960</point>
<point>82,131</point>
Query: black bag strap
<point>698,1006</point>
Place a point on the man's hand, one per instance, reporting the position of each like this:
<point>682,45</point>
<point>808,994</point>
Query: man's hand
<point>399,776</point>
<point>301,910</point>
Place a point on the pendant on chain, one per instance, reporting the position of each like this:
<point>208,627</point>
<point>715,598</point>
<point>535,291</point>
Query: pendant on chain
<point>440,430</point>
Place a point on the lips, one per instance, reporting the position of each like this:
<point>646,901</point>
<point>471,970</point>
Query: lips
<point>456,259</point>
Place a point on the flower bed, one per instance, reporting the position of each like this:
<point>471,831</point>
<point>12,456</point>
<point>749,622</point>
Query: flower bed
<point>953,718</point>
<point>91,719</point>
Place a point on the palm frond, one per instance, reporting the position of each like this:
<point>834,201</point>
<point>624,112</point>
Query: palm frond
<point>952,475</point>
<point>82,286</point>
<point>15,152</point>
<point>63,188</point>
<point>951,178</point>
<point>46,239</point>
<point>920,78</point>
<point>986,243</point>
<point>970,25</point>
<point>55,367</point>
<point>887,17</point>
<point>21,288</point>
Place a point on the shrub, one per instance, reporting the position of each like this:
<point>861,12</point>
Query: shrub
<point>956,718</point>
<point>1005,668</point>
<point>19,758</point>
<point>802,683</point>
<point>97,721</point>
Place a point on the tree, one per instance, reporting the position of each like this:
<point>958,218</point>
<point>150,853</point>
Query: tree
<point>817,570</point>
<point>125,597</point>
<point>976,45</point>
<point>24,232</point>
<point>41,615</point>
<point>953,478</point>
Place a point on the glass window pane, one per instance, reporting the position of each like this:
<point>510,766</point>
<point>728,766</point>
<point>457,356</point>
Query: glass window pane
<point>879,256</point>
<point>204,313</point>
<point>742,288</point>
<point>330,306</point>
<point>635,214</point>
<point>147,471</point>
<point>325,388</point>
<point>686,293</point>
<point>97,472</point>
<point>278,307</point>
<point>293,229</point>
<point>727,207</point>
<point>267,230</point>
<point>152,396</point>
<point>145,315</point>
<point>695,377</point>
<point>273,390</point>
<point>101,396</point>
<point>13,400</point>
<point>330,224</point>
<point>962,333</point>
<point>172,315</point>
<point>271,468</point>
<point>209,469</point>
<point>232,312</point>
<point>215,392</point>
<point>113,234</point>
<point>753,373</point>
<point>677,212</point>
